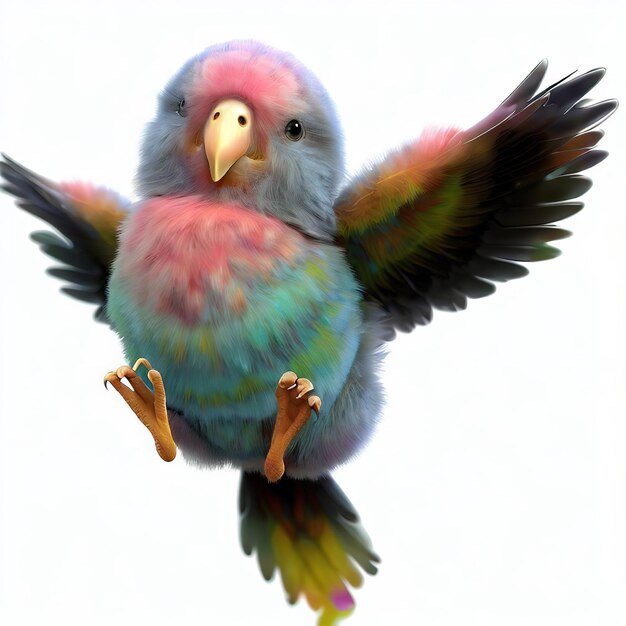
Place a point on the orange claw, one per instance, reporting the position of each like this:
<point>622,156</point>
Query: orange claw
<point>294,410</point>
<point>150,407</point>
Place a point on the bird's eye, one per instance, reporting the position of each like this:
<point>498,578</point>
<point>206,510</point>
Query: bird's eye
<point>181,108</point>
<point>242,120</point>
<point>294,130</point>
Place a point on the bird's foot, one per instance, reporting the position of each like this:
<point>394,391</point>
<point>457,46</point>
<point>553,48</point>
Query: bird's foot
<point>294,410</point>
<point>148,406</point>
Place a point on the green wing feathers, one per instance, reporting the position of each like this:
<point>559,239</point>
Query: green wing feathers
<point>442,218</point>
<point>86,218</point>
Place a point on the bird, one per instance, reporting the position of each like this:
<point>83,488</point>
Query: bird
<point>255,286</point>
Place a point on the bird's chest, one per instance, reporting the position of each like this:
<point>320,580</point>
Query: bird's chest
<point>204,263</point>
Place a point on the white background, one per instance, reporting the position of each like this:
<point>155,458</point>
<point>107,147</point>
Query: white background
<point>494,489</point>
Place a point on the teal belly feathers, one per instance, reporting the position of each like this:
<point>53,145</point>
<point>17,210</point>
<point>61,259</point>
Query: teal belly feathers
<point>222,301</point>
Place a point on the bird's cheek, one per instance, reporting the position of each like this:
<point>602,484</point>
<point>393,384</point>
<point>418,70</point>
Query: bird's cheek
<point>194,143</point>
<point>192,152</point>
<point>258,145</point>
<point>256,160</point>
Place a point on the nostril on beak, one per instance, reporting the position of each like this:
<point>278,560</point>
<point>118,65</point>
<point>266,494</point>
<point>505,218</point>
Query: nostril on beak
<point>227,136</point>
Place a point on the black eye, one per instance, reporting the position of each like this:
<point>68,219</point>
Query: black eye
<point>181,108</point>
<point>294,130</point>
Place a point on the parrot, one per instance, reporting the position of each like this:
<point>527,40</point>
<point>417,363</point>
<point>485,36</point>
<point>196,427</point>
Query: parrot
<point>255,285</point>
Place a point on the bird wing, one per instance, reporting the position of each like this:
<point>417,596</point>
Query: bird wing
<point>309,531</point>
<point>441,218</point>
<point>87,219</point>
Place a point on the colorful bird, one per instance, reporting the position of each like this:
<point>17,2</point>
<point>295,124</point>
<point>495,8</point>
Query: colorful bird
<point>250,273</point>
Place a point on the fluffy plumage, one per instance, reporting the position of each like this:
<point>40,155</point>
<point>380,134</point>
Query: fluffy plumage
<point>442,218</point>
<point>305,176</point>
<point>225,285</point>
<point>202,276</point>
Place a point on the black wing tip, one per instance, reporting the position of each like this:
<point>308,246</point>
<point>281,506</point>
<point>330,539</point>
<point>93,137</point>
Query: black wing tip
<point>7,161</point>
<point>26,176</point>
<point>612,104</point>
<point>525,90</point>
<point>600,155</point>
<point>539,70</point>
<point>84,295</point>
<point>597,73</point>
<point>45,238</point>
<point>597,70</point>
<point>566,93</point>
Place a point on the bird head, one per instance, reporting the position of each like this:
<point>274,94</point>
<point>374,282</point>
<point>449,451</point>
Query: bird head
<point>245,123</point>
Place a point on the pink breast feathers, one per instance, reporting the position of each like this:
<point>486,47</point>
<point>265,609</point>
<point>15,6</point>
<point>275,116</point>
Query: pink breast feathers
<point>180,255</point>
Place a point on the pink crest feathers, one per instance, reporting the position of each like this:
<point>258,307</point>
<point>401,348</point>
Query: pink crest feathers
<point>265,79</point>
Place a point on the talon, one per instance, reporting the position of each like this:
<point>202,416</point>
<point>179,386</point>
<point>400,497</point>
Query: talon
<point>124,371</point>
<point>315,403</point>
<point>287,381</point>
<point>107,378</point>
<point>304,385</point>
<point>142,361</point>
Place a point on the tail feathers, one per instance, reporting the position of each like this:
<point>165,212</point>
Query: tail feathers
<point>310,532</point>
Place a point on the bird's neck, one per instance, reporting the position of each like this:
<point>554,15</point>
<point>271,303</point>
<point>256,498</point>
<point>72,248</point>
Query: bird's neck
<point>307,212</point>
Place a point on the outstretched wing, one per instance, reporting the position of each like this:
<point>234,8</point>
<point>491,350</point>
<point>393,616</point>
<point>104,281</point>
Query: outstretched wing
<point>87,219</point>
<point>309,531</point>
<point>441,218</point>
